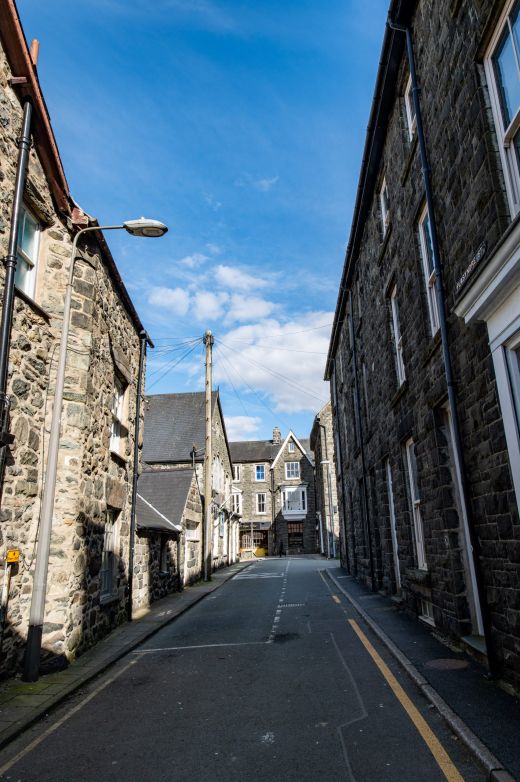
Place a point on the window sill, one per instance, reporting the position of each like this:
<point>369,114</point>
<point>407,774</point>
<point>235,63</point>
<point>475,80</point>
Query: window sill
<point>106,600</point>
<point>431,348</point>
<point>32,304</point>
<point>119,457</point>
<point>403,388</point>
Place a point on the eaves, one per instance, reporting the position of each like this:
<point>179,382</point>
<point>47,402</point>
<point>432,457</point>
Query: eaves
<point>400,12</point>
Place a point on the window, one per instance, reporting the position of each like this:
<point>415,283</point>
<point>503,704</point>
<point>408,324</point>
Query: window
<point>294,499</point>
<point>292,469</point>
<point>221,523</point>
<point>163,558</point>
<point>218,474</point>
<point>27,253</point>
<point>260,472</point>
<point>397,338</point>
<point>513,369</point>
<point>425,239</point>
<point>411,465</point>
<point>410,109</point>
<point>393,525</point>
<point>290,447</point>
<point>260,502</point>
<point>108,572</point>
<point>503,76</point>
<point>427,612</point>
<point>384,208</point>
<point>118,429</point>
<point>236,502</point>
<point>236,472</point>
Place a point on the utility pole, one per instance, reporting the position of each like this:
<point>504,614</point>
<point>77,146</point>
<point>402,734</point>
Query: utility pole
<point>208,461</point>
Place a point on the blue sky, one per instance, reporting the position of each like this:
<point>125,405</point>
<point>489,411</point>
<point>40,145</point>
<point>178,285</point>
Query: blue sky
<point>240,125</point>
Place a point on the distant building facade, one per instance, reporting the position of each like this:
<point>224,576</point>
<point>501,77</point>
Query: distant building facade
<point>273,491</point>
<point>174,439</point>
<point>322,446</point>
<point>429,485</point>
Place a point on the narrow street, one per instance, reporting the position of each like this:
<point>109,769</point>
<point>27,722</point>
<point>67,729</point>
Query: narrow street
<point>271,677</point>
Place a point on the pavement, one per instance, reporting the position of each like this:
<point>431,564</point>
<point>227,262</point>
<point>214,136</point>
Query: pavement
<point>478,710</point>
<point>22,703</point>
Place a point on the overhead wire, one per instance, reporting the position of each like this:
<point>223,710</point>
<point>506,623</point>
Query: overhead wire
<point>287,380</point>
<point>172,365</point>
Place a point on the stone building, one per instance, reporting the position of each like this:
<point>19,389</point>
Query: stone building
<point>87,576</point>
<point>322,446</point>
<point>428,468</point>
<point>174,439</point>
<point>273,492</point>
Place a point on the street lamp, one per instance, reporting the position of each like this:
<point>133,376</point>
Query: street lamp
<point>140,227</point>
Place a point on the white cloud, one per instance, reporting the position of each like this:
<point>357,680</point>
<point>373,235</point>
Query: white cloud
<point>233,277</point>
<point>264,185</point>
<point>214,249</point>
<point>212,202</point>
<point>208,305</point>
<point>241,427</point>
<point>193,261</point>
<point>175,299</point>
<point>249,308</point>
<point>282,362</point>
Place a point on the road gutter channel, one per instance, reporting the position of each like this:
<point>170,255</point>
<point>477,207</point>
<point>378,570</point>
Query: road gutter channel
<point>493,767</point>
<point>18,728</point>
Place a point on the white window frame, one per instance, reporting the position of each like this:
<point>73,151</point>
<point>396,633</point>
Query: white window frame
<point>397,337</point>
<point>291,447</point>
<point>418,528</point>
<point>236,502</point>
<point>393,524</point>
<point>31,262</point>
<point>289,492</point>
<point>292,471</point>
<point>430,276</point>
<point>411,118</point>
<point>261,503</point>
<point>262,467</point>
<point>117,411</point>
<point>236,472</point>
<point>384,206</point>
<point>109,555</point>
<point>506,135</point>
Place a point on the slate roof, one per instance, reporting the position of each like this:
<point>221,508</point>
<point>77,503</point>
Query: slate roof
<point>161,499</point>
<point>261,450</point>
<point>172,424</point>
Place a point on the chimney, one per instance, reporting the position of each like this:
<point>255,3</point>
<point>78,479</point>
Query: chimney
<point>35,48</point>
<point>277,436</point>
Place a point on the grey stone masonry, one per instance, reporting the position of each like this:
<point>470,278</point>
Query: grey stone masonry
<point>322,445</point>
<point>274,489</point>
<point>87,576</point>
<point>405,522</point>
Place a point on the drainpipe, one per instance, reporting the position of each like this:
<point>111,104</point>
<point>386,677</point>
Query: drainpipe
<point>24,145</point>
<point>361,442</point>
<point>144,339</point>
<point>493,662</point>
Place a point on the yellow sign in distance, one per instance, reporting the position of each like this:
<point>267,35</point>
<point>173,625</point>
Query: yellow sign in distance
<point>13,555</point>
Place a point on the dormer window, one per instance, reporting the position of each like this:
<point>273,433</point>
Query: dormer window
<point>290,446</point>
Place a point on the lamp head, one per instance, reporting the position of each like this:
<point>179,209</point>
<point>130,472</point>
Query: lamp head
<point>145,227</point>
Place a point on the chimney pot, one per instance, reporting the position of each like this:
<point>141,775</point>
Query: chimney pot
<point>35,49</point>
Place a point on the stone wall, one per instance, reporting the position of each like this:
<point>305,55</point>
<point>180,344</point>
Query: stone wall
<point>322,444</point>
<point>470,208</point>
<point>90,479</point>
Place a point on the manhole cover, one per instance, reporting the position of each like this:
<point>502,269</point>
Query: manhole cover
<point>447,664</point>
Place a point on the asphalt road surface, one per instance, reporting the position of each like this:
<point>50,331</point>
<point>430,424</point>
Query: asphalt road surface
<point>272,677</point>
